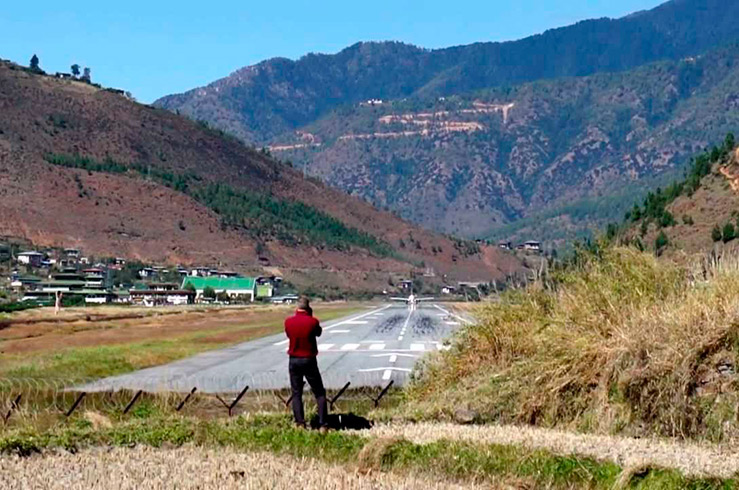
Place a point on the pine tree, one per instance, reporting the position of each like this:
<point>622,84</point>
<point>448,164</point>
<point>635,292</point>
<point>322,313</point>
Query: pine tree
<point>729,232</point>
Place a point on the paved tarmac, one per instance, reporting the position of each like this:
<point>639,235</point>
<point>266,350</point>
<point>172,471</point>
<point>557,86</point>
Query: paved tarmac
<point>368,349</point>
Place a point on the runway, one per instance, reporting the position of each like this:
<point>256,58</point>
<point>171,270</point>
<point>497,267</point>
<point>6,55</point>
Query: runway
<point>367,349</point>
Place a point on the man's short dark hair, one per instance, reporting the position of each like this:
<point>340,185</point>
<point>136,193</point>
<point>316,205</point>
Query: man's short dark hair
<point>304,303</point>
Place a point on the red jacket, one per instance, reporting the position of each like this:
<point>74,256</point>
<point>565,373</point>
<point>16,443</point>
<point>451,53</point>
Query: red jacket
<point>302,330</point>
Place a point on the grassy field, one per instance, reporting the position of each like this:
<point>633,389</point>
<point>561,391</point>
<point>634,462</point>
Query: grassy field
<point>96,342</point>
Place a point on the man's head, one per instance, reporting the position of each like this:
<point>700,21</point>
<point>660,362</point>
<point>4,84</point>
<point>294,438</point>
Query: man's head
<point>304,303</point>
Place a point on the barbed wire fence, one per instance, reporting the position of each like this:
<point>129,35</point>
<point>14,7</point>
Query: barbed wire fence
<point>50,398</point>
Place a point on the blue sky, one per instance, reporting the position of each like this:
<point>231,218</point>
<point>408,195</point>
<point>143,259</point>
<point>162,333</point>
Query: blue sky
<point>158,47</point>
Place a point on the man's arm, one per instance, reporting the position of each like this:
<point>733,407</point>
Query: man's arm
<point>318,330</point>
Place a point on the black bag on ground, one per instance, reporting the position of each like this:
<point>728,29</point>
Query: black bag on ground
<point>347,421</point>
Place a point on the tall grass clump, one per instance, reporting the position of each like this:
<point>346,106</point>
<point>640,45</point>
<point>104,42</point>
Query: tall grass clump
<point>619,342</point>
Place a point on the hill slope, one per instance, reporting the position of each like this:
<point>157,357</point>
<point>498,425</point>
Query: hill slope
<point>84,167</point>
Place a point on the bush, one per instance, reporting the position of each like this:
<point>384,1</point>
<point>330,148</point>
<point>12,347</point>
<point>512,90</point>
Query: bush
<point>209,292</point>
<point>661,242</point>
<point>729,232</point>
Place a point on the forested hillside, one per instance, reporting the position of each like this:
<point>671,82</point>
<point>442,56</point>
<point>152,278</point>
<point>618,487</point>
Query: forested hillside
<point>543,160</point>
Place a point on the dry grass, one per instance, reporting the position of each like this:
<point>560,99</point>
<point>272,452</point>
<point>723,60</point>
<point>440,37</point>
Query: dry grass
<point>620,344</point>
<point>193,468</point>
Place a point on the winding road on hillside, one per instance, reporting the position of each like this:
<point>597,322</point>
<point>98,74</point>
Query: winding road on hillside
<point>368,349</point>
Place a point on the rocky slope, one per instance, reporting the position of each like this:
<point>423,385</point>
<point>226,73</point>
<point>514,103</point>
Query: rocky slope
<point>139,214</point>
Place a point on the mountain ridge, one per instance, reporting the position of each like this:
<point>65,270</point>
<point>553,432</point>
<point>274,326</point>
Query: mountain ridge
<point>586,47</point>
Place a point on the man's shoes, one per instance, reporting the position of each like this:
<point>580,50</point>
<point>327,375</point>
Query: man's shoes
<point>323,430</point>
<point>300,426</point>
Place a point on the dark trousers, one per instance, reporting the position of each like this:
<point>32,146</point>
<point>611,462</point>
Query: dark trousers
<point>307,368</point>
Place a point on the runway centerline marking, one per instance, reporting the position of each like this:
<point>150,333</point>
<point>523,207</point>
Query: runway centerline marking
<point>377,347</point>
<point>340,331</point>
<point>325,346</point>
<point>282,342</point>
<point>349,347</point>
<point>396,355</point>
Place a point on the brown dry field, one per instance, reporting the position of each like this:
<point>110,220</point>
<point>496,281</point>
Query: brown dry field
<point>39,333</point>
<point>40,330</point>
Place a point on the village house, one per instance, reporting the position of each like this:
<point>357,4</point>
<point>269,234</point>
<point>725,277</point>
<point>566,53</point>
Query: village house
<point>31,258</point>
<point>532,246</point>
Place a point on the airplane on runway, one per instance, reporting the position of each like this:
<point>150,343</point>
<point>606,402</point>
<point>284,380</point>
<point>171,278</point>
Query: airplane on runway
<point>412,300</point>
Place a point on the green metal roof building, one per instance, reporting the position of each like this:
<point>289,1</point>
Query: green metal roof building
<point>233,286</point>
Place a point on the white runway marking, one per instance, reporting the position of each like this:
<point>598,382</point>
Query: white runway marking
<point>453,323</point>
<point>282,342</point>
<point>396,354</point>
<point>349,347</point>
<point>405,325</point>
<point>393,359</point>
<point>417,347</point>
<point>356,322</point>
<point>325,346</point>
<point>452,314</point>
<point>340,331</point>
<point>387,374</point>
<point>357,317</point>
<point>377,347</point>
<point>375,370</point>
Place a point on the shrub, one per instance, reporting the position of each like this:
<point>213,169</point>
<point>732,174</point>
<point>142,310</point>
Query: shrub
<point>209,292</point>
<point>729,232</point>
<point>716,234</point>
<point>661,242</point>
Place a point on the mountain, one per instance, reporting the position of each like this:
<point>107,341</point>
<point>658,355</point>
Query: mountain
<point>550,158</point>
<point>542,137</point>
<point>258,103</point>
<point>85,167</point>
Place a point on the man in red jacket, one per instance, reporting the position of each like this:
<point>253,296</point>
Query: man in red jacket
<point>302,329</point>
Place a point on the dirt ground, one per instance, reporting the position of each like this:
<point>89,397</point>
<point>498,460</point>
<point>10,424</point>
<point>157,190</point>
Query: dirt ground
<point>34,331</point>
